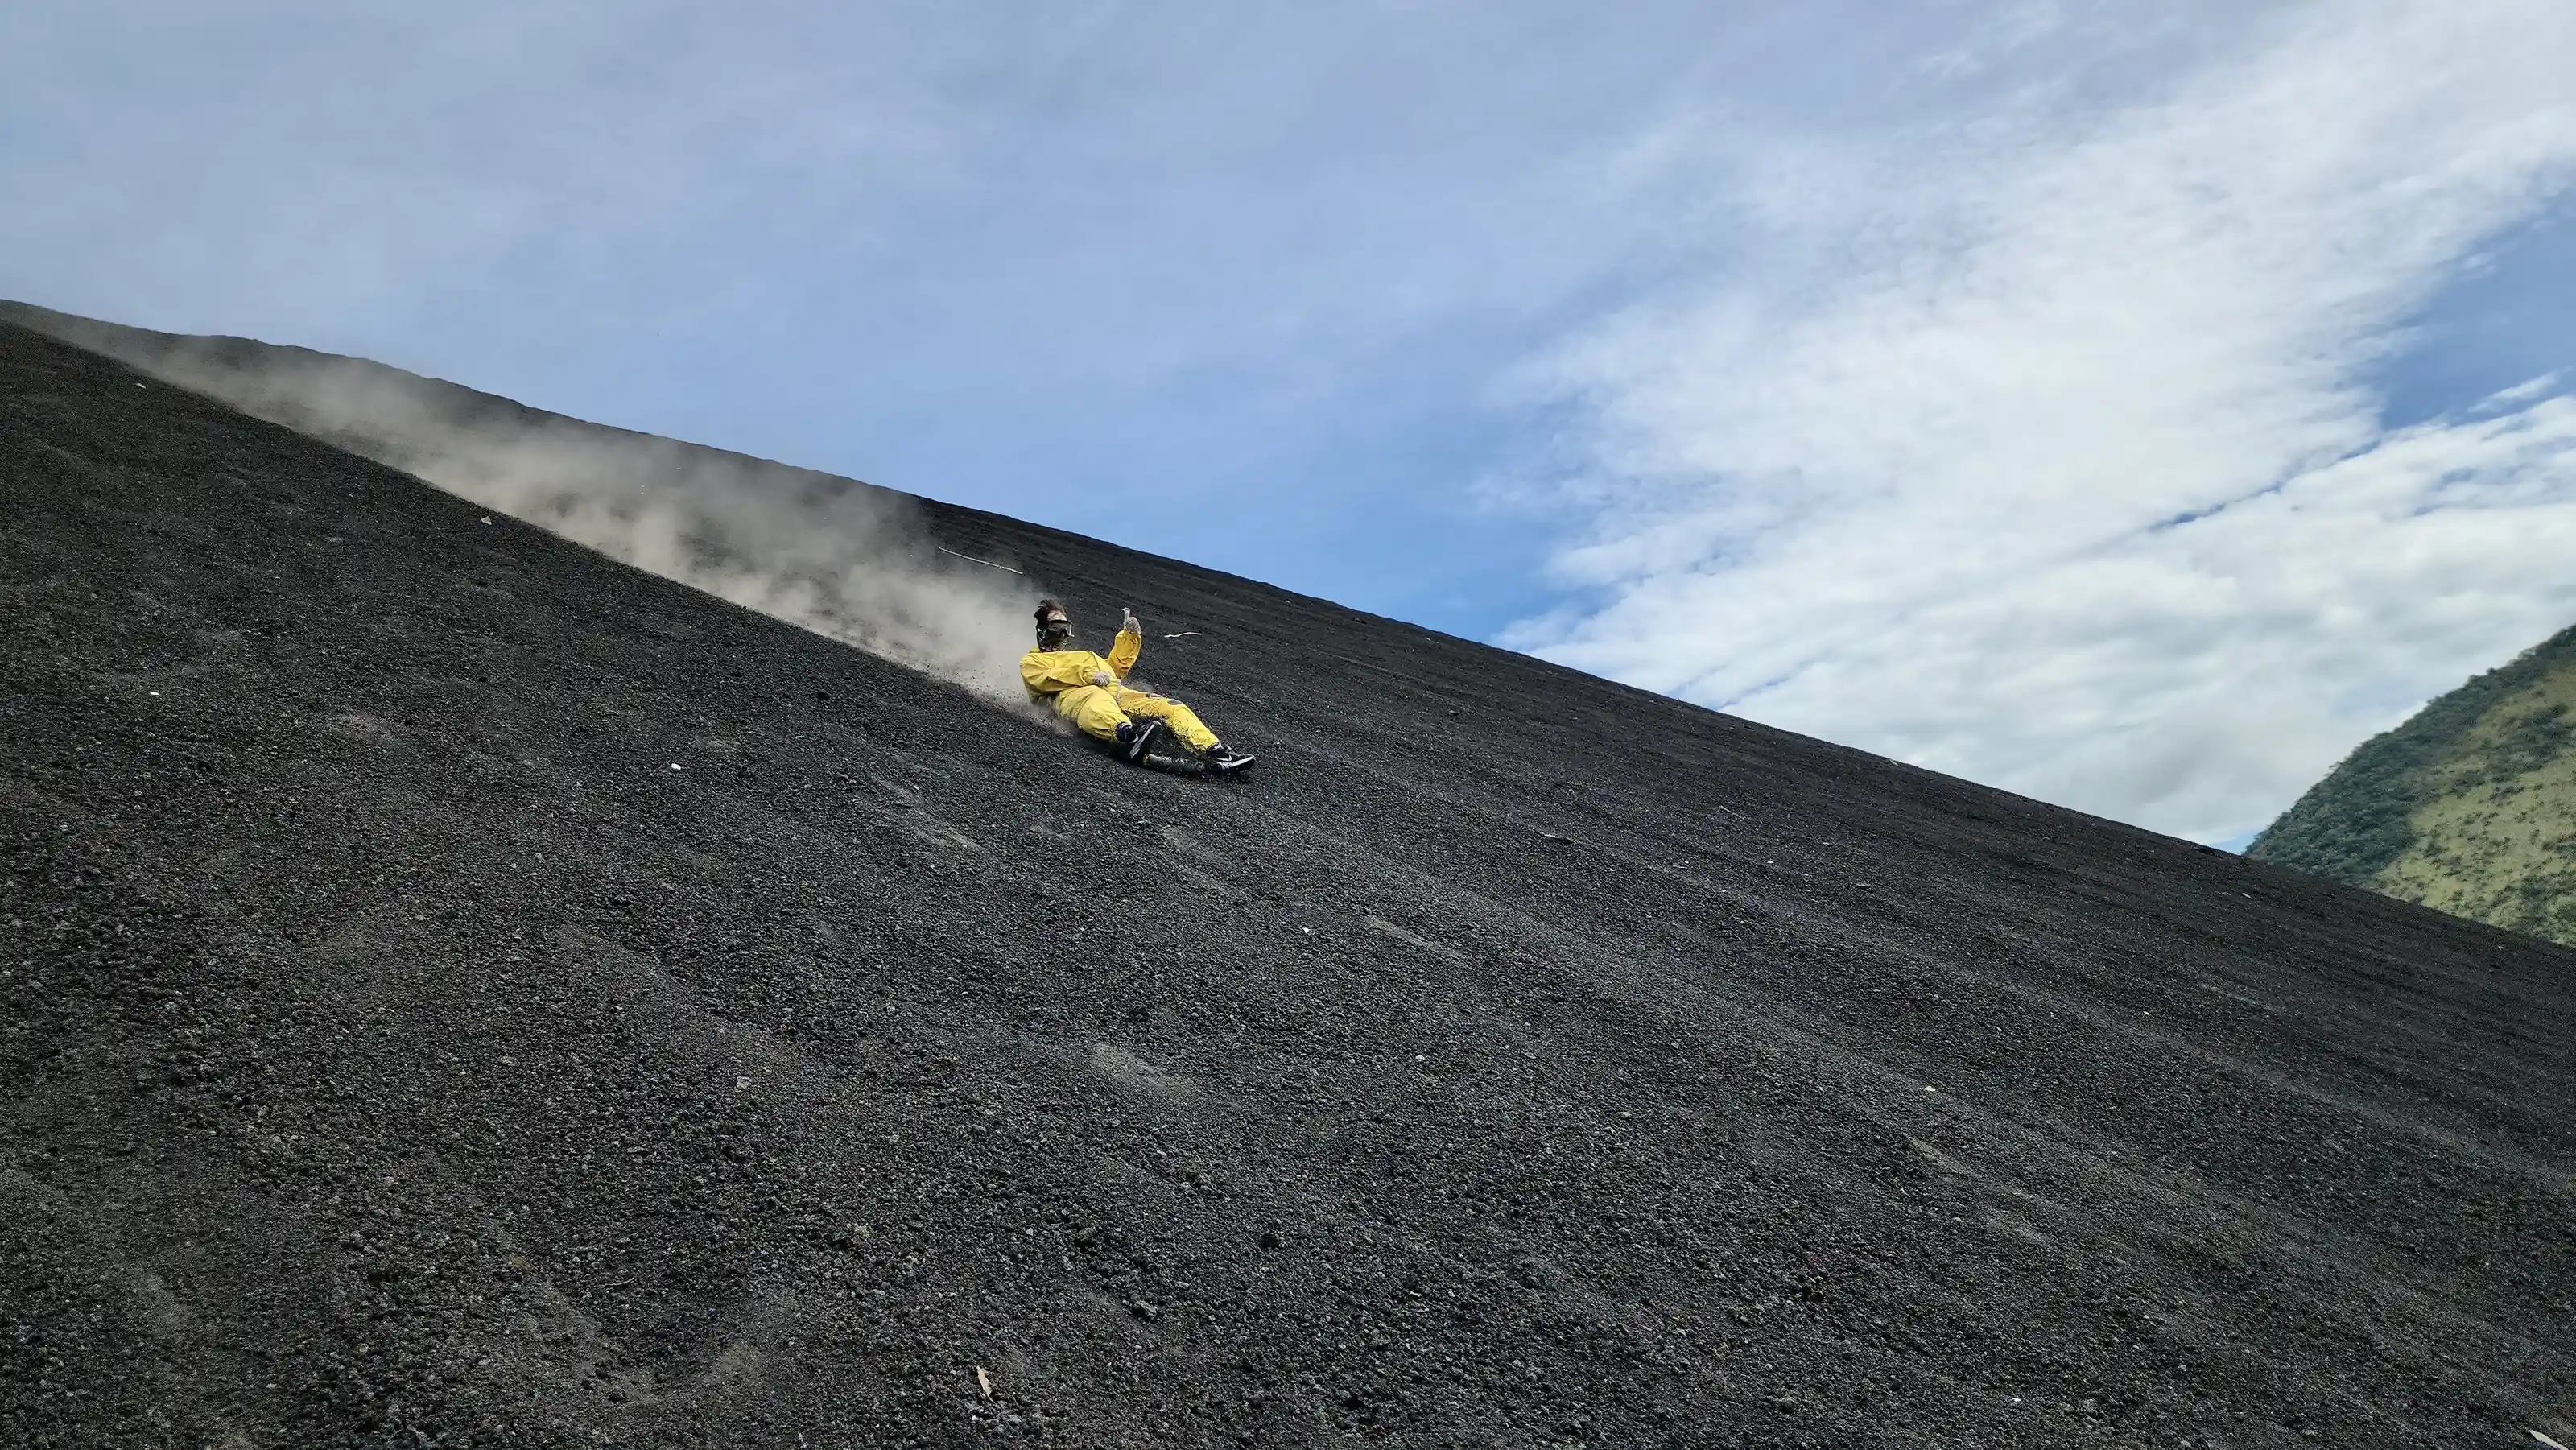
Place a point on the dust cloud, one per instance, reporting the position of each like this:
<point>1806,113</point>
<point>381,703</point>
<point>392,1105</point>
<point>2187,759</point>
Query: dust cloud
<point>847,560</point>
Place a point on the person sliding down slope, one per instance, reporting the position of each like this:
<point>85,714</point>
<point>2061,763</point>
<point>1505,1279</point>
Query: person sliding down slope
<point>1092,692</point>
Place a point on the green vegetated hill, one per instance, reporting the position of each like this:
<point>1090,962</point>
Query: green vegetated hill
<point>2468,807</point>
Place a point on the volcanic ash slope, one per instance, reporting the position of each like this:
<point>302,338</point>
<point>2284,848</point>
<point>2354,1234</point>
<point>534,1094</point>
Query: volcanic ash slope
<point>401,1051</point>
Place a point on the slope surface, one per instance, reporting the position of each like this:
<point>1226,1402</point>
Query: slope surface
<point>463,991</point>
<point>2468,807</point>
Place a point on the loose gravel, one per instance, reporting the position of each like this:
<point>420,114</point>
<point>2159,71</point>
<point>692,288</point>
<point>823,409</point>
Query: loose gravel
<point>400,1051</point>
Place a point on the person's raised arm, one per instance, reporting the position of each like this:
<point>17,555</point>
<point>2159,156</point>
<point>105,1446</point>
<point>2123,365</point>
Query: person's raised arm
<point>1129,644</point>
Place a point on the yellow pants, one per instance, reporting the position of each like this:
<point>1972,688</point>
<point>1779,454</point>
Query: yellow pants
<point>1099,712</point>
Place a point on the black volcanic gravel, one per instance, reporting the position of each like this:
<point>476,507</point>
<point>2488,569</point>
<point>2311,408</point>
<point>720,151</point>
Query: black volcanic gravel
<point>402,1052</point>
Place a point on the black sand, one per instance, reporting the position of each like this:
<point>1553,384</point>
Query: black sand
<point>400,1052</point>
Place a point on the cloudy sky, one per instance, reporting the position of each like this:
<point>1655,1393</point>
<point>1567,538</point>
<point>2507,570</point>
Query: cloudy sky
<point>2134,405</point>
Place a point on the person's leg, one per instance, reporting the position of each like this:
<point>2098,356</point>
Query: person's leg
<point>1182,720</point>
<point>1093,710</point>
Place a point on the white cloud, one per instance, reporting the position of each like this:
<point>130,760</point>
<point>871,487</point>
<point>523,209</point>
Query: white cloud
<point>2059,469</point>
<point>1074,268</point>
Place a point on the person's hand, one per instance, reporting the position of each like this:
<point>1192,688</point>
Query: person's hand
<point>1130,626</point>
<point>1103,678</point>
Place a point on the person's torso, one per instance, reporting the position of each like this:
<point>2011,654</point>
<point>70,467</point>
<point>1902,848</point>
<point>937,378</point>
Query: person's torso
<point>1057,664</point>
<point>1048,661</point>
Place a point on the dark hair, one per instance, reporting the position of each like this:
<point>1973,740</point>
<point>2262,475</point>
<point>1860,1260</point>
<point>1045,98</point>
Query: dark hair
<point>1047,607</point>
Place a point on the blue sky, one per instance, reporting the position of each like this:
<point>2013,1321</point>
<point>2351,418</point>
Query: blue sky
<point>1840,364</point>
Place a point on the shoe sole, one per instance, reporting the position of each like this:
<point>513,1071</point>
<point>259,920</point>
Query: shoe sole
<point>1144,741</point>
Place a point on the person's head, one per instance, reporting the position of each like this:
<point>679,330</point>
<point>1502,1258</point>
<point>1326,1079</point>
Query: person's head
<point>1053,627</point>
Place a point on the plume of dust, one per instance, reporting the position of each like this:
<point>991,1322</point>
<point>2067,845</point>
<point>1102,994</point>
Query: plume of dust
<point>847,560</point>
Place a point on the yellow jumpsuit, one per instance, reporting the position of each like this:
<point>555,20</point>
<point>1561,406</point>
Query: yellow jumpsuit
<point>1099,710</point>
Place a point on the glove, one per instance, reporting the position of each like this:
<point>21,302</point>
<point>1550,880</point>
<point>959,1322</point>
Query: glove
<point>1103,678</point>
<point>1130,625</point>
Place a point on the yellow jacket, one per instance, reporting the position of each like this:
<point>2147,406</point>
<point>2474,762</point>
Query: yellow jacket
<point>1046,671</point>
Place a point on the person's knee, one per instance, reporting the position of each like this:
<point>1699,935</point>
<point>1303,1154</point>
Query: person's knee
<point>1101,719</point>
